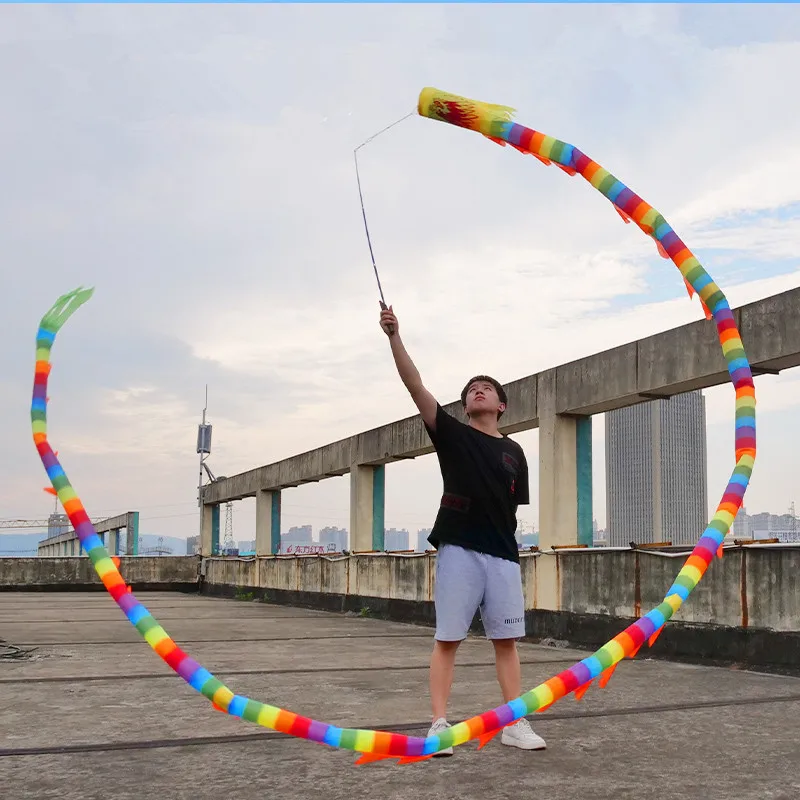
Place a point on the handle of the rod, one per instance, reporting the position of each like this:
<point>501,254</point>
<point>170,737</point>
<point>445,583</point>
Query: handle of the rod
<point>384,307</point>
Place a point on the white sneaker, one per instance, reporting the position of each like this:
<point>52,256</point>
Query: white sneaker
<point>438,726</point>
<point>521,735</point>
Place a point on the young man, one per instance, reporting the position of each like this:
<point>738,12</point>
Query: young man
<point>485,477</point>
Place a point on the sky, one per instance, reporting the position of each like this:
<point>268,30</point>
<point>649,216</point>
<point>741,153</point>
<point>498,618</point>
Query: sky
<point>195,165</point>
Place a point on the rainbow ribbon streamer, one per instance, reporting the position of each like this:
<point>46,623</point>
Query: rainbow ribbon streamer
<point>493,122</point>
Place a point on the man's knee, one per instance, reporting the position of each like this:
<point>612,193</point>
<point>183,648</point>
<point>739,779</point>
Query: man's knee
<point>504,645</point>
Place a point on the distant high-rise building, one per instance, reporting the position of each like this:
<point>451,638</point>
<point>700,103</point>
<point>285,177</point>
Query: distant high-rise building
<point>656,486</point>
<point>192,545</point>
<point>297,534</point>
<point>598,535</point>
<point>302,534</point>
<point>394,539</point>
<point>422,540</point>
<point>57,524</point>
<point>784,527</point>
<point>334,536</point>
<point>599,538</point>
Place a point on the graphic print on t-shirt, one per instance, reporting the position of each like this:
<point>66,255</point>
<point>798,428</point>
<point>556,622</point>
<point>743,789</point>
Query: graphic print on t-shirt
<point>510,463</point>
<point>456,502</point>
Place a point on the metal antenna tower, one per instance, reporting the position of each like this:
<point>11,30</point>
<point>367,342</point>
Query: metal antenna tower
<point>204,451</point>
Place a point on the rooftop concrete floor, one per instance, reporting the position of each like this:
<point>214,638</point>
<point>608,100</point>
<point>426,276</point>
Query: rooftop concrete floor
<point>94,713</point>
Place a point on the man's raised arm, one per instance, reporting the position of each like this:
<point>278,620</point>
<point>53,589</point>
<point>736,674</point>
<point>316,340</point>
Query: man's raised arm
<point>409,374</point>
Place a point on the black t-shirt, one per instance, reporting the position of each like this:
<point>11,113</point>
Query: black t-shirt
<point>485,479</point>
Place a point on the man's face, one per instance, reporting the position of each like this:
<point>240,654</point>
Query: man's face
<point>482,398</point>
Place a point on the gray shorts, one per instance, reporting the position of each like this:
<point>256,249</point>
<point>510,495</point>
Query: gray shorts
<point>467,581</point>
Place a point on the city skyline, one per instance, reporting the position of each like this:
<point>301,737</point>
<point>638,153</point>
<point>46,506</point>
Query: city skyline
<point>783,525</point>
<point>765,525</point>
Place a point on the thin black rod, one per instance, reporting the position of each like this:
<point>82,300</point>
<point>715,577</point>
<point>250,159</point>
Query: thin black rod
<point>366,229</point>
<point>361,199</point>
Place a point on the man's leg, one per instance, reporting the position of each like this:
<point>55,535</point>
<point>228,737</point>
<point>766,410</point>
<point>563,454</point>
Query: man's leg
<point>503,614</point>
<point>509,672</point>
<point>443,662</point>
<point>458,590</point>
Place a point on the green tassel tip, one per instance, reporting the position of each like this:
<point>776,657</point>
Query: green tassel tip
<point>64,308</point>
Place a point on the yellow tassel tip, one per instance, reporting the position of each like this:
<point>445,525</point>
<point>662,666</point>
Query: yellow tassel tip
<point>461,111</point>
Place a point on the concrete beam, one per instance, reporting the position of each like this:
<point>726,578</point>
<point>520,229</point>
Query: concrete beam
<point>672,362</point>
<point>68,544</point>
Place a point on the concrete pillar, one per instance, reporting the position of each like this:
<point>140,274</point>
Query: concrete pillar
<point>209,535</point>
<point>215,529</point>
<point>583,474</point>
<point>205,530</point>
<point>378,507</point>
<point>112,541</point>
<point>132,546</point>
<point>367,501</point>
<point>565,487</point>
<point>268,522</point>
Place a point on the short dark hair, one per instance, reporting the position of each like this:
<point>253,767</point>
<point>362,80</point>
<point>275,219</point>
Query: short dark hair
<point>501,392</point>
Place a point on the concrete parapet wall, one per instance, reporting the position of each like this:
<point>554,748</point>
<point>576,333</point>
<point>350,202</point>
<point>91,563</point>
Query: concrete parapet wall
<point>750,587</point>
<point>77,572</point>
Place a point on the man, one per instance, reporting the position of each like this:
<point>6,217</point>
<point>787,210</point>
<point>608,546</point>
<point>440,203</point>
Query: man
<point>485,477</point>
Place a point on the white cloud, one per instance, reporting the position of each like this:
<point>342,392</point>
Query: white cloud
<point>763,186</point>
<point>142,422</point>
<point>765,240</point>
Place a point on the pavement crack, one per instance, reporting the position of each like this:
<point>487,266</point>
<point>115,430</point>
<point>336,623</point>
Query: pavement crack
<point>128,677</point>
<point>202,741</point>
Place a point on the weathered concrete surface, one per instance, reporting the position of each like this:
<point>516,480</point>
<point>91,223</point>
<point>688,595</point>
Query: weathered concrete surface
<point>23,574</point>
<point>749,587</point>
<point>672,362</point>
<point>648,736</point>
<point>406,577</point>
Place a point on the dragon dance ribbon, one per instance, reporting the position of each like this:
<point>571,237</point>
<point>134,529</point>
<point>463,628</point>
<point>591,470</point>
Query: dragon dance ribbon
<point>495,123</point>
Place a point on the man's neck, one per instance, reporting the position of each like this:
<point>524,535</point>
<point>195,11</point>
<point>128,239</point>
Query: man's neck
<point>486,425</point>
